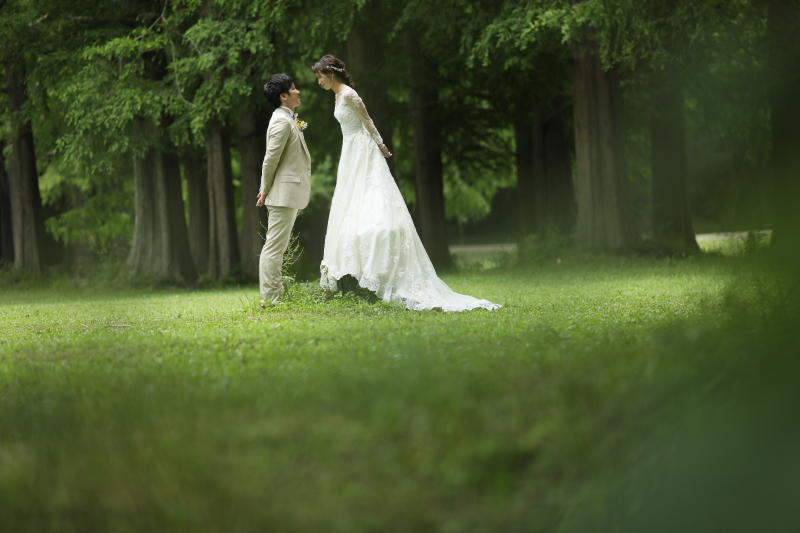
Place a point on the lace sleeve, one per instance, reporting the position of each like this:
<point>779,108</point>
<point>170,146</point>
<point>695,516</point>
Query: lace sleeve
<point>360,109</point>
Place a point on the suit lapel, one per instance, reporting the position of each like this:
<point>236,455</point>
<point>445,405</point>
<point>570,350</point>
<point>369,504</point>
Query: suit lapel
<point>297,130</point>
<point>303,142</point>
<point>302,139</point>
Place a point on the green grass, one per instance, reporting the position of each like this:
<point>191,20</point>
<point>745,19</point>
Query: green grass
<point>175,410</point>
<point>733,244</point>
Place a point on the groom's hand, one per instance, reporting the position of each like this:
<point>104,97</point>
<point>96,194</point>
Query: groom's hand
<point>260,199</point>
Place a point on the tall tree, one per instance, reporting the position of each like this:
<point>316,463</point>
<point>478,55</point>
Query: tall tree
<point>545,195</point>
<point>223,247</point>
<point>176,218</point>
<point>529,134</point>
<point>160,246</point>
<point>194,169</point>
<point>600,166</point>
<point>148,242</point>
<point>784,76</point>
<point>525,158</point>
<point>26,200</point>
<point>609,37</point>
<point>6,232</point>
<point>428,176</point>
<point>535,87</point>
<point>561,210</point>
<point>672,225</point>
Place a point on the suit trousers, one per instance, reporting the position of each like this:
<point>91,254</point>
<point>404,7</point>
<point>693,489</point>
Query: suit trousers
<point>279,231</point>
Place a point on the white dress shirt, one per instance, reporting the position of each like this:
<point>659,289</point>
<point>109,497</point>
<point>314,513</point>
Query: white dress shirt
<point>291,113</point>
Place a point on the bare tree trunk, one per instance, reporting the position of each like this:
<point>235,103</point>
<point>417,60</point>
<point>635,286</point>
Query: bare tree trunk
<point>526,175</point>
<point>531,162</point>
<point>365,59</point>
<point>601,177</point>
<point>223,246</point>
<point>784,58</point>
<point>182,265</point>
<point>194,168</point>
<point>671,222</point>
<point>545,196</point>
<point>160,246</point>
<point>428,172</point>
<point>6,230</point>
<point>254,219</point>
<point>147,238</point>
<point>560,191</point>
<point>23,181</point>
<point>540,193</point>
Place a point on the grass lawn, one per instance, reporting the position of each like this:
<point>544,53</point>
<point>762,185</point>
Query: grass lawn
<point>176,410</point>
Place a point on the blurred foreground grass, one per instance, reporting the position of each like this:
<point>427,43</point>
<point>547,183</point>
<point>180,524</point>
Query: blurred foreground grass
<point>616,394</point>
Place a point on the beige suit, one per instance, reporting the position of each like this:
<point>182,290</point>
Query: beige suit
<point>286,172</point>
<point>286,180</point>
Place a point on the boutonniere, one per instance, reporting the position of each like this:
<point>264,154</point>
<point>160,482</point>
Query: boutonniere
<point>302,124</point>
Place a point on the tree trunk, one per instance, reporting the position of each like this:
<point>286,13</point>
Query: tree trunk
<point>601,173</point>
<point>23,181</point>
<point>784,58</point>
<point>365,59</point>
<point>428,178</point>
<point>6,230</point>
<point>540,193</point>
<point>223,249</point>
<point>183,266</point>
<point>523,138</point>
<point>146,245</point>
<point>672,225</point>
<point>558,169</point>
<point>545,195</point>
<point>254,219</point>
<point>530,160</point>
<point>160,246</point>
<point>194,168</point>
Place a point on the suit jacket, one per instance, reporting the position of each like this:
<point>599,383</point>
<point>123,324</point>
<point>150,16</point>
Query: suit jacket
<point>286,172</point>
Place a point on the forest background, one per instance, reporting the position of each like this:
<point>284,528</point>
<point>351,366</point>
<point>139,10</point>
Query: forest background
<point>610,393</point>
<point>133,130</point>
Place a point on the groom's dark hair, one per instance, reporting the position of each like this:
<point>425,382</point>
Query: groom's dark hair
<point>276,86</point>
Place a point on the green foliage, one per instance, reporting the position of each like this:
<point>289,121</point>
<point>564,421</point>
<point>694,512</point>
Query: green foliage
<point>478,158</point>
<point>108,80</point>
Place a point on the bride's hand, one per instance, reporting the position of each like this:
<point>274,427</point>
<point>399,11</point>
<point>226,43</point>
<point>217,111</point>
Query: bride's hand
<point>386,153</point>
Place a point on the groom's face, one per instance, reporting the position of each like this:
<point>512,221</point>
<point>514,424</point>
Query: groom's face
<point>292,98</point>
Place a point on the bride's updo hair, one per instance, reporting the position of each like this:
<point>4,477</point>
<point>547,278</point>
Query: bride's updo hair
<point>332,65</point>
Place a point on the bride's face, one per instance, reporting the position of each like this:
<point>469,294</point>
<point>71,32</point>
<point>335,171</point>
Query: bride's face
<point>324,81</point>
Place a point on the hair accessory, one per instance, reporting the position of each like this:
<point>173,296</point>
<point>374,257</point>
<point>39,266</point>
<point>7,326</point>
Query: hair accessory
<point>337,69</point>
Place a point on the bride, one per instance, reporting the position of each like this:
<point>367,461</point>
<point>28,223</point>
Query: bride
<point>370,233</point>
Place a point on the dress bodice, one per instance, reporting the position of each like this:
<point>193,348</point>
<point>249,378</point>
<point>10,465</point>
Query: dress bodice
<point>352,115</point>
<point>347,118</point>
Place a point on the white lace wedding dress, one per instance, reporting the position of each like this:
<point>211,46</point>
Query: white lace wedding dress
<point>370,232</point>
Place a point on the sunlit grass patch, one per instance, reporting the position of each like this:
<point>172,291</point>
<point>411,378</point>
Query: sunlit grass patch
<point>733,244</point>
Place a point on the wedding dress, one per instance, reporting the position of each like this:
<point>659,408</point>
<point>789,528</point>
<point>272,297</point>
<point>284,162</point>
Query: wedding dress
<point>370,232</point>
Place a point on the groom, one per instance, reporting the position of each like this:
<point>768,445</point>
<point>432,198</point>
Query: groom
<point>285,181</point>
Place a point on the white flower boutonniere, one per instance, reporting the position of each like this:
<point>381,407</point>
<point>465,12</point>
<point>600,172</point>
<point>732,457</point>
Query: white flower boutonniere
<point>302,124</point>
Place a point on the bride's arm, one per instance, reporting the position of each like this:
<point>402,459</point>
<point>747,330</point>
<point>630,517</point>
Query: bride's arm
<point>360,109</point>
